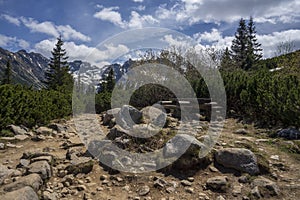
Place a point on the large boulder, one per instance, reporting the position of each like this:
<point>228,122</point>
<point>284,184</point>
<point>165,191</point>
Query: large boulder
<point>44,131</point>
<point>5,172</point>
<point>42,168</point>
<point>58,127</point>
<point>289,133</point>
<point>32,180</point>
<point>154,115</point>
<point>128,116</point>
<point>17,130</point>
<point>238,158</point>
<point>25,193</point>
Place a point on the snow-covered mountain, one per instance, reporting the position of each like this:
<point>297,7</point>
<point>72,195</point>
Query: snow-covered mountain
<point>29,68</point>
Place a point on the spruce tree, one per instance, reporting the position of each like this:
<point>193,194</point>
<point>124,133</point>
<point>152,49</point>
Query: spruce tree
<point>239,45</point>
<point>7,74</point>
<point>226,60</point>
<point>58,76</point>
<point>109,82</point>
<point>254,48</point>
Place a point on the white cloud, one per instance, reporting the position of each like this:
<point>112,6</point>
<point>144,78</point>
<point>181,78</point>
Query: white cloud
<point>110,14</point>
<point>138,21</point>
<point>11,19</point>
<point>138,1</point>
<point>49,28</point>
<point>135,20</point>
<point>83,52</point>
<point>271,41</point>
<point>6,41</point>
<point>212,36</point>
<point>193,11</point>
<point>43,27</point>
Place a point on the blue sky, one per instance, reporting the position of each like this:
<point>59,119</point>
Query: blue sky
<point>34,25</point>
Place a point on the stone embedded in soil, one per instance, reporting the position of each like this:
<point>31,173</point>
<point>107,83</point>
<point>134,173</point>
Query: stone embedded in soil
<point>238,158</point>
<point>217,183</point>
<point>5,173</point>
<point>32,180</point>
<point>265,186</point>
<point>144,190</point>
<point>42,168</point>
<point>25,193</point>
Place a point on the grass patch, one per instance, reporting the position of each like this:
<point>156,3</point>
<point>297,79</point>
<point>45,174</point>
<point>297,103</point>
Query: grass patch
<point>6,133</point>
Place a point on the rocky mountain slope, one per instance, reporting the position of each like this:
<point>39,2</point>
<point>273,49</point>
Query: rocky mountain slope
<point>52,163</point>
<point>29,68</point>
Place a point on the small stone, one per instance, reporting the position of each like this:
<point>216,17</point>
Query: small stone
<point>144,190</point>
<point>236,190</point>
<point>2,146</point>
<point>275,157</point>
<point>213,169</point>
<point>186,183</point>
<point>189,190</point>
<point>203,196</point>
<point>21,137</point>
<point>241,132</point>
<point>220,198</point>
<point>218,183</point>
<point>103,177</point>
<point>255,192</point>
<point>99,189</point>
<point>191,179</point>
<point>243,179</point>
<point>170,190</point>
<point>81,187</point>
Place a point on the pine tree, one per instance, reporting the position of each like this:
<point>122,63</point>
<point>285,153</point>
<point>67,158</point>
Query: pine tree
<point>7,74</point>
<point>239,44</point>
<point>246,50</point>
<point>226,60</point>
<point>109,82</point>
<point>58,76</point>
<point>254,48</point>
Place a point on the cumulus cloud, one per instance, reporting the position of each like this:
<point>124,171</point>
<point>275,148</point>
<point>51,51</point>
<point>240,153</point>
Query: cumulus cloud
<point>11,19</point>
<point>47,27</point>
<point>193,11</point>
<point>138,1</point>
<point>136,20</point>
<point>6,41</point>
<point>110,14</point>
<point>83,52</point>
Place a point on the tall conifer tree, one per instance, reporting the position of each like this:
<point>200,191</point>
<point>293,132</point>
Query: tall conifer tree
<point>58,76</point>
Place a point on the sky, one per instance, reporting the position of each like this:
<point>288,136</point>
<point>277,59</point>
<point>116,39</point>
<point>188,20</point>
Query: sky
<point>100,31</point>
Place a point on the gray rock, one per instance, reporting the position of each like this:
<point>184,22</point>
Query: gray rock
<point>186,183</point>
<point>217,183</point>
<point>21,137</point>
<point>42,168</point>
<point>154,115</point>
<point>144,190</point>
<point>115,132</point>
<point>128,116</point>
<point>32,180</point>
<point>175,147</point>
<point>50,196</point>
<point>109,115</point>
<point>24,163</point>
<point>270,187</point>
<point>5,173</point>
<point>2,146</point>
<point>25,193</point>
<point>80,165</point>
<point>17,130</point>
<point>241,132</point>
<point>289,133</point>
<point>58,127</point>
<point>238,158</point>
<point>44,131</point>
